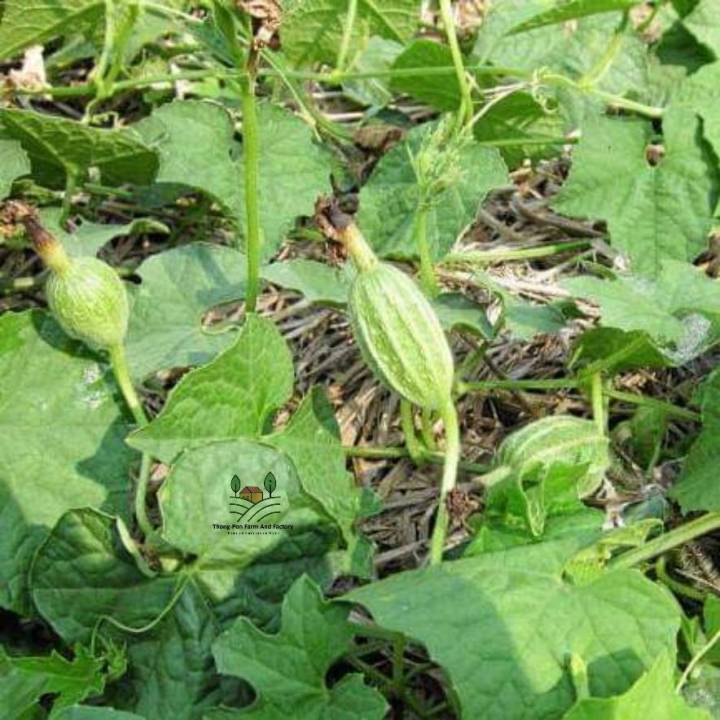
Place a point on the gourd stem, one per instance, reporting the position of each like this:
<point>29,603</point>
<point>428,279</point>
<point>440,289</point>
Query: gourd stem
<point>466,105</point>
<point>361,253</point>
<point>251,154</point>
<point>452,457</point>
<point>407,421</point>
<point>118,360</point>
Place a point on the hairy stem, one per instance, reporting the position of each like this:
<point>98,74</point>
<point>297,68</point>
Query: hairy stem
<point>452,457</point>
<point>598,403</point>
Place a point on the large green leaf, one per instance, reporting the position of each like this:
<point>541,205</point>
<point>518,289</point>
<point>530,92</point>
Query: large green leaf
<point>565,10</point>
<point>679,311</point>
<point>390,200</point>
<point>653,695</point>
<point>235,397</point>
<point>197,149</point>
<point>503,626</point>
<point>318,282</point>
<point>697,486</point>
<point>312,29</point>
<point>195,143</point>
<point>578,51</point>
<point>700,94</point>
<point>249,549</point>
<point>54,143</point>
<point>24,680</point>
<point>62,440</point>
<point>439,91</point>
<point>84,582</point>
<point>178,287</point>
<point>288,669</point>
<point>14,163</point>
<point>704,23</point>
<point>34,22</point>
<point>232,397</point>
<point>82,577</point>
<point>653,212</point>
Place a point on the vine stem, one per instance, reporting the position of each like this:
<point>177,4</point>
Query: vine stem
<point>407,421</point>
<point>598,403</point>
<point>347,35</point>
<point>251,156</point>
<point>709,645</point>
<point>466,106</point>
<point>452,458</point>
<point>118,360</point>
<point>679,536</point>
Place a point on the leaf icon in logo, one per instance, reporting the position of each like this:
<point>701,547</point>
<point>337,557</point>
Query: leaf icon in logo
<point>270,483</point>
<point>235,484</point>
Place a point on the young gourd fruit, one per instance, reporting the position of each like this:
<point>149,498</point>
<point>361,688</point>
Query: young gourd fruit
<point>403,343</point>
<point>563,439</point>
<point>397,330</point>
<point>85,295</point>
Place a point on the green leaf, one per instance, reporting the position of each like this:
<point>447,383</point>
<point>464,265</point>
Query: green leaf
<point>178,287</point>
<point>312,441</point>
<point>312,29</point>
<point>195,144</point>
<point>89,237</point>
<point>377,57</point>
<point>248,550</point>
<point>62,440</point>
<point>700,94</point>
<point>294,172</point>
<point>390,200</point>
<point>439,91</point>
<point>578,52</point>
<point>521,128</point>
<point>171,672</point>
<point>455,310</point>
<point>565,10</point>
<point>654,212</point>
<point>613,351</point>
<point>94,713</point>
<point>704,23</point>
<point>288,669</point>
<point>24,680</point>
<point>697,487</point>
<point>653,695</point>
<point>512,615</point>
<point>82,576</point>
<point>318,282</point>
<point>84,583</point>
<point>234,396</point>
<point>55,143</point>
<point>14,163</point>
<point>35,22</point>
<point>679,311</point>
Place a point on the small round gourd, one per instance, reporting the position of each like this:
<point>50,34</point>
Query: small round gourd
<point>89,301</point>
<point>400,336</point>
<point>558,439</point>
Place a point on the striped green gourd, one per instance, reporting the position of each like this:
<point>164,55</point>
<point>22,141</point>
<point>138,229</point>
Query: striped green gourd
<point>400,336</point>
<point>558,439</point>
